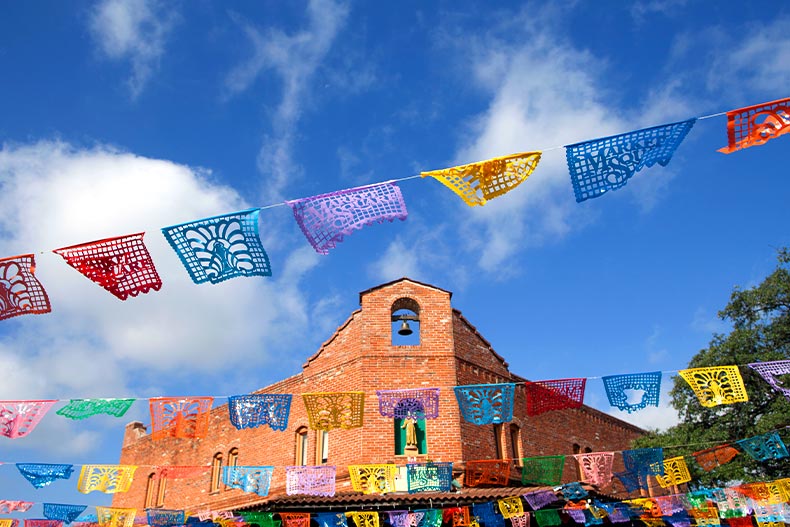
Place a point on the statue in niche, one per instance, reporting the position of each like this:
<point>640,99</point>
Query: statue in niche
<point>409,424</point>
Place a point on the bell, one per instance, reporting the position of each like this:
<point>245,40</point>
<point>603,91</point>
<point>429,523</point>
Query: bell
<point>405,329</point>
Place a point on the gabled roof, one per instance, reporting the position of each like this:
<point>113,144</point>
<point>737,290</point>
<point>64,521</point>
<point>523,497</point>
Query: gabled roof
<point>387,284</point>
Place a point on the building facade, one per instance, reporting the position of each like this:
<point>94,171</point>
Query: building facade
<point>364,354</point>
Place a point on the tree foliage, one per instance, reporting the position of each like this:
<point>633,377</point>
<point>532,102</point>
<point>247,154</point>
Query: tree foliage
<point>760,318</point>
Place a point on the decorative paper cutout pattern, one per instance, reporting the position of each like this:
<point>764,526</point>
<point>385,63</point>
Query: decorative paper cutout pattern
<point>373,479</point>
<point>616,385</point>
<point>544,470</point>
<point>8,522</point>
<point>521,520</point>
<point>295,519</point>
<point>20,291</point>
<point>675,472</point>
<point>630,480</point>
<point>608,163</point>
<point>221,247</point>
<point>30,522</point>
<point>484,404</point>
<point>577,515</point>
<point>716,385</point>
<point>329,519</point>
<point>711,458</point>
<point>596,467</point>
<point>248,479</point>
<point>84,408</point>
<point>254,410</point>
<point>757,491</point>
<point>186,417</point>
<point>63,512</point>
<point>736,521</point>
<point>487,472</point>
<point>476,183</point>
<point>756,125</point>
<point>764,447</point>
<point>106,478</point>
<point>364,519</point>
<point>510,507</point>
<point>328,218</point>
<point>420,403</point>
<point>19,418</point>
<point>42,474</point>
<point>485,513</point>
<point>429,477</point>
<point>164,517</point>
<point>398,518</point>
<point>559,394</point>
<point>329,410</point>
<point>644,460</point>
<point>265,519</point>
<point>312,481</point>
<point>115,517</point>
<point>769,371</point>
<point>573,491</point>
<point>459,516</point>
<point>9,506</point>
<point>540,498</point>
<point>548,518</point>
<point>431,518</point>
<point>121,265</point>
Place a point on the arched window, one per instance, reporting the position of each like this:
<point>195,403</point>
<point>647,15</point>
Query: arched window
<point>322,447</point>
<point>405,316</point>
<point>160,495</point>
<point>150,492</point>
<point>501,452</point>
<point>216,472</point>
<point>515,444</point>
<point>301,446</point>
<point>233,459</point>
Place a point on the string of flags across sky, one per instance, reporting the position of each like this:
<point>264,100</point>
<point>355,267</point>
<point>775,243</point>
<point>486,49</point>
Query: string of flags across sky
<point>228,246</point>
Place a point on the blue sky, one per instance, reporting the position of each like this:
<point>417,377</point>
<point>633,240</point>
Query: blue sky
<point>126,115</point>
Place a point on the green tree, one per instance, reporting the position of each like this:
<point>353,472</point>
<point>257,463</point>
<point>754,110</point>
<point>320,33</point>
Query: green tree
<point>760,318</point>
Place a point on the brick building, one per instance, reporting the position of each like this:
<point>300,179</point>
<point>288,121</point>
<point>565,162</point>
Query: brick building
<point>364,355</point>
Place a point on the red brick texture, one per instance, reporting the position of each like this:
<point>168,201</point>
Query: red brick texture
<point>360,356</point>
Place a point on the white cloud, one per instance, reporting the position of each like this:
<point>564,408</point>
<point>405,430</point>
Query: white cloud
<point>295,59</point>
<point>133,30</point>
<point>756,58</point>
<point>92,344</point>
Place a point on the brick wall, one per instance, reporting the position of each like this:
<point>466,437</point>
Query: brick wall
<point>360,356</point>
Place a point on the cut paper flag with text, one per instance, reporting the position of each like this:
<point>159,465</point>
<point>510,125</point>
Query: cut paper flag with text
<point>20,292</point>
<point>476,183</point>
<point>328,218</point>
<point>121,265</point>
<point>221,247</point>
<point>608,163</point>
<point>756,125</point>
